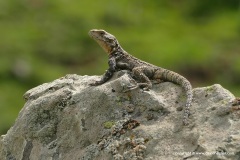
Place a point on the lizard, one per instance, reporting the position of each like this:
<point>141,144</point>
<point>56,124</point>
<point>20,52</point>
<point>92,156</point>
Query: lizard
<point>143,72</point>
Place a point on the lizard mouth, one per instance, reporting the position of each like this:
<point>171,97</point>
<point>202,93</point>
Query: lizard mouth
<point>90,33</point>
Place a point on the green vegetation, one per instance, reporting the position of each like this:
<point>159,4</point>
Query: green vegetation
<point>108,124</point>
<point>44,40</point>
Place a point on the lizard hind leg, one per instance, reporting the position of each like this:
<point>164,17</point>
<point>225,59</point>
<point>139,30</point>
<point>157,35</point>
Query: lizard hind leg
<point>141,74</point>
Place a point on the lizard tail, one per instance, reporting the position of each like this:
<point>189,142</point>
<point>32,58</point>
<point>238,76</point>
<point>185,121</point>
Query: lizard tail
<point>183,82</point>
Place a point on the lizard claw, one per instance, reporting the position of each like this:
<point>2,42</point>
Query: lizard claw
<point>96,83</point>
<point>145,89</point>
<point>92,84</point>
<point>130,88</point>
<point>135,87</point>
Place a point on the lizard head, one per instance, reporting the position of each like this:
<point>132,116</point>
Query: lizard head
<point>106,40</point>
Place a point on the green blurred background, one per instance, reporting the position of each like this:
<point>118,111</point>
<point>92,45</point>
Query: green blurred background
<point>43,40</point>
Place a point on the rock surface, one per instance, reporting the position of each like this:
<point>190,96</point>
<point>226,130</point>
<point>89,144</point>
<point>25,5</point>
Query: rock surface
<point>69,120</point>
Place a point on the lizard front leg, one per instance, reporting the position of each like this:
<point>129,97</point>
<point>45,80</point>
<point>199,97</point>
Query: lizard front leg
<point>108,74</point>
<point>122,66</point>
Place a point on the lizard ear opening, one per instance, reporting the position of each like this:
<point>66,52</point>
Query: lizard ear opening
<point>110,40</point>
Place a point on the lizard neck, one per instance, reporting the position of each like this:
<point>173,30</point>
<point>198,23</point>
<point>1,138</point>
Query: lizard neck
<point>116,48</point>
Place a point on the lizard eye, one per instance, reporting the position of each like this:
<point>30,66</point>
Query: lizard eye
<point>101,33</point>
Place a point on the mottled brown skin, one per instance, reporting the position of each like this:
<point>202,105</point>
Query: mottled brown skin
<point>142,71</point>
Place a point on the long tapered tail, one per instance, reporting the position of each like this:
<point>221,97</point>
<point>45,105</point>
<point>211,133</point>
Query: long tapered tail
<point>183,82</point>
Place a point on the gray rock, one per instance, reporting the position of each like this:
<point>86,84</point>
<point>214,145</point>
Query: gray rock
<point>69,120</point>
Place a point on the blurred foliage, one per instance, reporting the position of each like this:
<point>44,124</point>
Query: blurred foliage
<point>43,40</point>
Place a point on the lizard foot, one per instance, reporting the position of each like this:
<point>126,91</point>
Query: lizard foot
<point>145,86</point>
